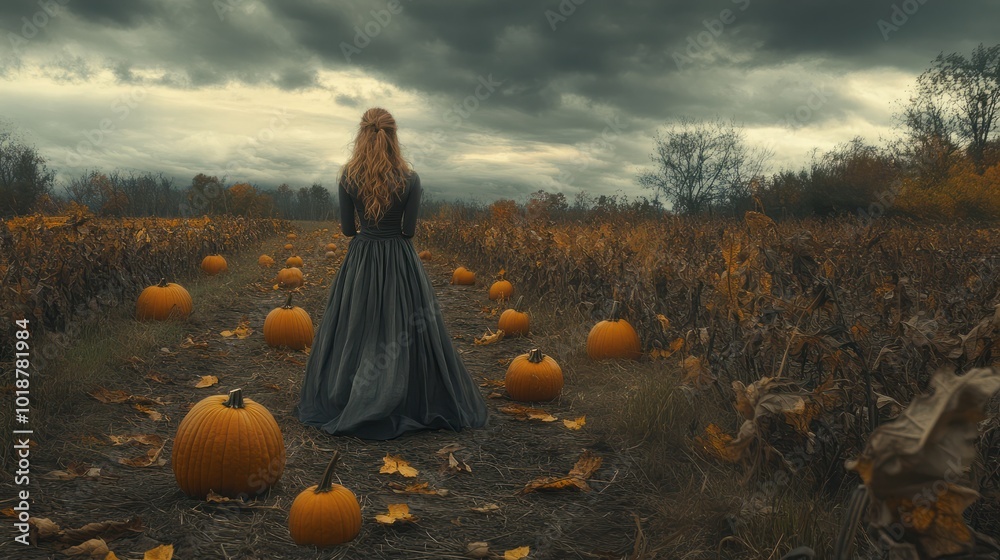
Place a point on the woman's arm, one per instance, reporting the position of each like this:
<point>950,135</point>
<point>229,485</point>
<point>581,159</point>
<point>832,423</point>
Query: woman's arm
<point>412,207</point>
<point>346,211</point>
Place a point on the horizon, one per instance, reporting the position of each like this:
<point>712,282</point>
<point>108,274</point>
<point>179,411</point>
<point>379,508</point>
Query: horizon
<point>492,101</point>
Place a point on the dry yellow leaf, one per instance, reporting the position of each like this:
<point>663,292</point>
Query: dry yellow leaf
<point>162,552</point>
<point>93,548</point>
<point>392,464</point>
<point>242,330</point>
<point>575,424</point>
<point>109,397</point>
<point>478,550</point>
<point>585,467</point>
<point>490,337</point>
<point>143,439</point>
<point>664,322</point>
<point>153,415</point>
<point>456,465</point>
<point>111,556</point>
<point>418,488</point>
<point>522,412</point>
<point>488,508</point>
<point>206,381</point>
<point>517,554</point>
<point>716,443</point>
<point>397,513</point>
<point>151,458</point>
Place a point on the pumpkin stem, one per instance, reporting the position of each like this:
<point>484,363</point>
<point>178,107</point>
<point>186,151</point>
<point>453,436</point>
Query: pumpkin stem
<point>615,311</point>
<point>235,399</point>
<point>288,302</point>
<point>163,283</point>
<point>517,304</point>
<point>535,356</point>
<point>326,484</point>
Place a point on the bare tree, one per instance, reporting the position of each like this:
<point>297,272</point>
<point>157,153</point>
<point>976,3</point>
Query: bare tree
<point>703,166</point>
<point>24,176</point>
<point>966,91</point>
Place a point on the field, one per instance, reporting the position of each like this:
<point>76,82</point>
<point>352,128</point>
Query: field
<point>770,352</point>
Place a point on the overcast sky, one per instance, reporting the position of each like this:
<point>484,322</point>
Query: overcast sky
<point>494,99</point>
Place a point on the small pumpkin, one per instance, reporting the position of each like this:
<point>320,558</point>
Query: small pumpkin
<point>331,246</point>
<point>501,289</point>
<point>613,338</point>
<point>463,277</point>
<point>514,322</point>
<point>291,236</point>
<point>331,254</point>
<point>290,277</point>
<point>325,514</point>
<point>295,261</point>
<point>289,246</point>
<point>288,326</point>
<point>214,264</point>
<point>163,301</point>
<point>424,255</point>
<point>533,377</point>
<point>228,445</point>
<point>266,261</point>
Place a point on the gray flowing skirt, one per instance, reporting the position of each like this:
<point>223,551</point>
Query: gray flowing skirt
<point>382,363</point>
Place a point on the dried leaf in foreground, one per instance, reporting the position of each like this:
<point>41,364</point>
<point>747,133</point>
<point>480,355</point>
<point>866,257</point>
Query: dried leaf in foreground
<point>585,467</point>
<point>397,513</point>
<point>522,412</point>
<point>393,464</point>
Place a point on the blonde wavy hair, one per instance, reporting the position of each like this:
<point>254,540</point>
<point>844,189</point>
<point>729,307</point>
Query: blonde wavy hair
<point>376,169</point>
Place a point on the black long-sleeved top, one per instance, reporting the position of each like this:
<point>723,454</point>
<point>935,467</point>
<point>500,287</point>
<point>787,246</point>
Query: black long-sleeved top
<point>400,219</point>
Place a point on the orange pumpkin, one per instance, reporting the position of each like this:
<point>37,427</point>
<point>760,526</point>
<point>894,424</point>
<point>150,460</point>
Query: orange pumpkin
<point>533,377</point>
<point>331,254</point>
<point>295,261</point>
<point>513,322</point>
<point>325,514</point>
<point>163,301</point>
<point>424,255</point>
<point>501,289</point>
<point>214,264</point>
<point>463,277</point>
<point>289,246</point>
<point>290,277</point>
<point>288,326</point>
<point>228,445</point>
<point>291,236</point>
<point>613,338</point>
<point>331,246</point>
<point>266,261</point>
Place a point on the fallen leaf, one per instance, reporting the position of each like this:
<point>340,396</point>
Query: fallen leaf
<point>111,556</point>
<point>153,415</point>
<point>517,554</point>
<point>478,550</point>
<point>522,412</point>
<point>214,498</point>
<point>489,337</point>
<point>106,530</point>
<point>576,424</point>
<point>151,458</point>
<point>8,512</point>
<point>394,464</point>
<point>585,467</point>
<point>492,382</point>
<point>75,470</point>
<point>94,548</point>
<point>450,448</point>
<point>206,381</point>
<point>488,508</point>
<point>162,552</point>
<point>664,322</point>
<point>190,343</point>
<point>142,439</point>
<point>397,512</point>
<point>45,528</point>
<point>716,443</point>
<point>456,465</point>
<point>495,395</point>
<point>417,488</point>
<point>243,330</point>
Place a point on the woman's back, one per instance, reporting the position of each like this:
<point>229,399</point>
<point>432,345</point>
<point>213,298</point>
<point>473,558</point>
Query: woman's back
<point>400,217</point>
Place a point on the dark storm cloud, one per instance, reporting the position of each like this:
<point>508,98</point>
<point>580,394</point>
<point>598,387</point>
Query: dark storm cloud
<point>561,68</point>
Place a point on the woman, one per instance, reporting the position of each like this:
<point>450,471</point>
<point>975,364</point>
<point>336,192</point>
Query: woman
<point>382,363</point>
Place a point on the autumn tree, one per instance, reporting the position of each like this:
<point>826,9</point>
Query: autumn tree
<point>24,176</point>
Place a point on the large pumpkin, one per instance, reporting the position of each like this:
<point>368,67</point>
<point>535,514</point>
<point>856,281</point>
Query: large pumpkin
<point>514,322</point>
<point>288,326</point>
<point>501,289</point>
<point>325,514</point>
<point>613,338</point>
<point>295,261</point>
<point>290,277</point>
<point>266,261</point>
<point>163,301</point>
<point>228,445</point>
<point>214,264</point>
<point>463,277</point>
<point>533,377</point>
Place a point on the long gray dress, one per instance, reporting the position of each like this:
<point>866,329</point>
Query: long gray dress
<point>382,363</point>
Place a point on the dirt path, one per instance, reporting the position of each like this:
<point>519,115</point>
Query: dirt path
<point>503,456</point>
